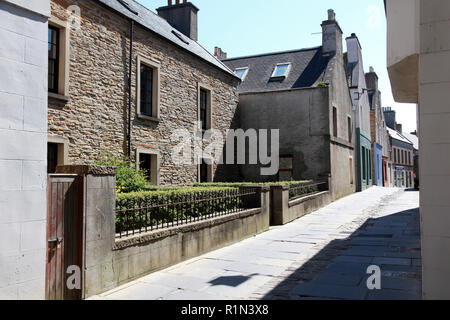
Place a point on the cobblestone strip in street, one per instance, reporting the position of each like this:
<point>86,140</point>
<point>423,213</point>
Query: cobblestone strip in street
<point>324,255</point>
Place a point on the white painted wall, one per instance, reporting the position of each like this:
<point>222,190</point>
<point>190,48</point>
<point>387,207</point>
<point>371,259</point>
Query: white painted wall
<point>361,106</point>
<point>23,147</point>
<point>434,117</point>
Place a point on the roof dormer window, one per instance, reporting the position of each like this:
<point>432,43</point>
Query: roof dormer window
<point>241,73</point>
<point>281,71</point>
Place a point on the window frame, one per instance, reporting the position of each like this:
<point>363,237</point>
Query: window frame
<point>56,60</point>
<point>245,73</point>
<point>209,170</point>
<point>154,163</point>
<point>209,108</point>
<point>63,65</point>
<point>335,122</point>
<point>350,129</point>
<point>155,107</point>
<point>288,70</point>
<point>62,149</point>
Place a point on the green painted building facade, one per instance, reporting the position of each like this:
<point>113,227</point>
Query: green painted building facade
<point>364,160</point>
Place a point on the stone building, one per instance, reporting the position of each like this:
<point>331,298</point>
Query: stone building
<point>304,94</point>
<point>378,131</point>
<point>23,140</point>
<point>175,82</point>
<point>402,156</point>
<point>361,113</point>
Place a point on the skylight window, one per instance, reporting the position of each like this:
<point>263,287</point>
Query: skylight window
<point>281,70</point>
<point>241,73</point>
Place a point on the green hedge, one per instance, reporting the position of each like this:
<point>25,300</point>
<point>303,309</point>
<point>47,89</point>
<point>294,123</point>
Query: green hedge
<point>178,204</point>
<point>251,184</point>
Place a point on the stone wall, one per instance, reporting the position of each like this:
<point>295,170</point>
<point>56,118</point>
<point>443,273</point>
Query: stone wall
<point>23,139</point>
<point>95,117</point>
<point>110,262</point>
<point>285,211</point>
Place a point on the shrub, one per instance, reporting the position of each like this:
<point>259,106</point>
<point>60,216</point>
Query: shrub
<point>128,179</point>
<point>163,207</point>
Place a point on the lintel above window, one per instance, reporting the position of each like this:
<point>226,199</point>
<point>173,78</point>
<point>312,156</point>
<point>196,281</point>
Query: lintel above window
<point>281,71</point>
<point>241,72</point>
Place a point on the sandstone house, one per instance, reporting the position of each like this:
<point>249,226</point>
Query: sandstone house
<point>175,82</point>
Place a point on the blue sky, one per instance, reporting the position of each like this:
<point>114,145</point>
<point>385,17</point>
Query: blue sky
<point>247,27</point>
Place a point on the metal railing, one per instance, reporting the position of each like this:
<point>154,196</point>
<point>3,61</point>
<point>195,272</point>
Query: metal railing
<point>303,190</point>
<point>141,215</point>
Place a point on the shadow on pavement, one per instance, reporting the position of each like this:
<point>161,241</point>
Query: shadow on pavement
<point>339,271</point>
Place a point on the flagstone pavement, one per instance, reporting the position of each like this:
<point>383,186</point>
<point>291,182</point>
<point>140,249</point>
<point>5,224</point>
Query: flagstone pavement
<point>324,255</point>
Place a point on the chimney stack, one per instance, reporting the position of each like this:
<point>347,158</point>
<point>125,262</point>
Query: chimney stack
<point>390,118</point>
<point>372,80</point>
<point>181,16</point>
<point>219,54</point>
<point>331,35</point>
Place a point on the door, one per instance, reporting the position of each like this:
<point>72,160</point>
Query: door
<point>64,237</point>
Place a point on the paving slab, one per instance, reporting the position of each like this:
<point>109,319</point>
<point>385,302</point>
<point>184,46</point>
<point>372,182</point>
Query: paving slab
<point>323,255</point>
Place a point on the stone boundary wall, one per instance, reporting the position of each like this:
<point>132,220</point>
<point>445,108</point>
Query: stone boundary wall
<point>109,262</point>
<point>285,211</point>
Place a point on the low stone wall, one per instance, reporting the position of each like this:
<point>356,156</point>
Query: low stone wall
<point>285,211</point>
<point>111,262</point>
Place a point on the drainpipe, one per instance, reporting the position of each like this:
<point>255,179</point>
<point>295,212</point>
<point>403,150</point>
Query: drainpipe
<point>129,87</point>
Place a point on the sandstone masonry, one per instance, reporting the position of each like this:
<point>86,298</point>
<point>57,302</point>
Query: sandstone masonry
<point>94,119</point>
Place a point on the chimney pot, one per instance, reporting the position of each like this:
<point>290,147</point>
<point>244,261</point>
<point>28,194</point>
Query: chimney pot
<point>220,54</point>
<point>181,16</point>
<point>331,15</point>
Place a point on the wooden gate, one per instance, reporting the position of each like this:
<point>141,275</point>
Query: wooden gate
<point>64,235</point>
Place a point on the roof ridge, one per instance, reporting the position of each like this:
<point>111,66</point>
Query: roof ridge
<point>273,53</point>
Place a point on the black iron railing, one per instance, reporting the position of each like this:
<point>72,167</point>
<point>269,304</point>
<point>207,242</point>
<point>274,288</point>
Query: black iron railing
<point>302,190</point>
<point>144,214</point>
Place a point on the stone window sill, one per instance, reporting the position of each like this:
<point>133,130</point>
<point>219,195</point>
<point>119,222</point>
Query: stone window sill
<point>147,118</point>
<point>59,97</point>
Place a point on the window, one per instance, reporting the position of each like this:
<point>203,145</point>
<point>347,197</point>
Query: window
<point>395,155</point>
<point>52,157</point>
<point>57,152</point>
<point>205,106</point>
<point>364,163</point>
<point>241,73</point>
<point>349,129</point>
<point>352,180</point>
<point>281,70</point>
<point>53,59</point>
<point>148,161</point>
<point>145,165</point>
<point>147,89</point>
<point>286,170</point>
<point>203,172</point>
<point>335,128</point>
<point>58,59</point>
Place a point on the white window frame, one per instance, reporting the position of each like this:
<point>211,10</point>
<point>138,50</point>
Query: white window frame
<point>245,73</point>
<point>287,71</point>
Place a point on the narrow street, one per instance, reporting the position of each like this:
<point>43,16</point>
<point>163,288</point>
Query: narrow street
<point>324,255</point>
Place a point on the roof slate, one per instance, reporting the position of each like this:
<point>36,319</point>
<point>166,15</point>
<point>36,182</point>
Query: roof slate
<point>398,136</point>
<point>160,26</point>
<point>308,67</point>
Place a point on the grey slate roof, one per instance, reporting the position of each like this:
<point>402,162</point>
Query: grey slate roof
<point>308,67</point>
<point>160,26</point>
